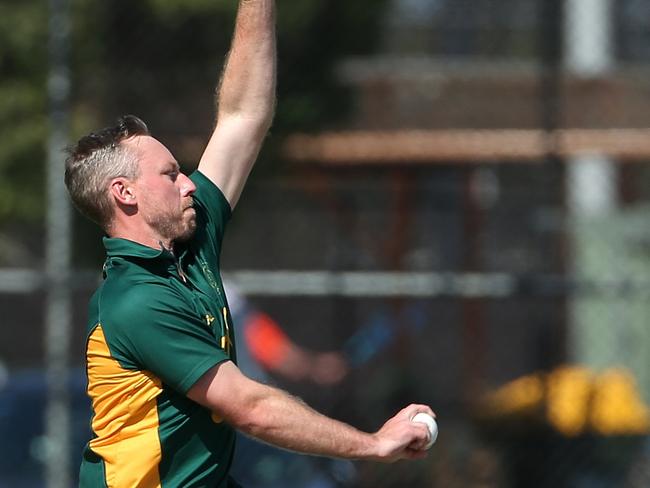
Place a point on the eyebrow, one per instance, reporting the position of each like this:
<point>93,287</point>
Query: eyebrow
<point>173,165</point>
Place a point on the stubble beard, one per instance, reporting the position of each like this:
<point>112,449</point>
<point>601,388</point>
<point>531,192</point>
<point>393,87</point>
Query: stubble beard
<point>174,226</point>
<point>187,230</point>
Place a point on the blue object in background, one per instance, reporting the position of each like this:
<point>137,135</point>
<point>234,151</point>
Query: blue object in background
<point>23,399</point>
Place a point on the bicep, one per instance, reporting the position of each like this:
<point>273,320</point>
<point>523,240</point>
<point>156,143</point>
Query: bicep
<point>170,341</point>
<point>231,153</point>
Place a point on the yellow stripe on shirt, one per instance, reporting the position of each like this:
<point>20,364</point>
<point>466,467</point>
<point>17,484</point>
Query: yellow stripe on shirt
<point>125,418</point>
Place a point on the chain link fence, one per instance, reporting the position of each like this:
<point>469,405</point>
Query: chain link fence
<point>454,198</point>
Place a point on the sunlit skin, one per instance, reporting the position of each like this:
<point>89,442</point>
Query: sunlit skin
<point>155,209</point>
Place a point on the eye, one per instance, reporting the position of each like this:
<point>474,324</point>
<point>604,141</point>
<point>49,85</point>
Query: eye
<point>173,175</point>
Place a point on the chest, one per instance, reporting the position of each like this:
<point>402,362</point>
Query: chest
<point>200,284</point>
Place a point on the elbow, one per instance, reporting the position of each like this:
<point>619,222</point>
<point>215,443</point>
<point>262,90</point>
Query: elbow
<point>255,125</point>
<point>263,119</point>
<point>257,116</point>
<point>250,419</point>
<point>252,428</point>
<point>269,114</point>
<point>261,125</point>
<point>258,413</point>
<point>267,121</point>
<point>246,405</point>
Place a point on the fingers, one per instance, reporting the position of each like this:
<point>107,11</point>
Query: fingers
<point>401,438</point>
<point>421,442</point>
<point>421,437</point>
<point>414,454</point>
<point>413,409</point>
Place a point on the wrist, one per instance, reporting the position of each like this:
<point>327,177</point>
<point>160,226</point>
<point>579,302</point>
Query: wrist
<point>371,448</point>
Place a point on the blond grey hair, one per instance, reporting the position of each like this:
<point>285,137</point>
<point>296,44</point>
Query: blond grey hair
<point>95,160</point>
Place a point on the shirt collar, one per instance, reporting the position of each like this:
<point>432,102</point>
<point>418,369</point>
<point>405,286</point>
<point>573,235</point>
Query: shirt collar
<point>116,246</point>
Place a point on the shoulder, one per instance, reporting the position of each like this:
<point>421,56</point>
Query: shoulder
<point>138,316</point>
<point>208,192</point>
<point>212,212</point>
<point>130,297</point>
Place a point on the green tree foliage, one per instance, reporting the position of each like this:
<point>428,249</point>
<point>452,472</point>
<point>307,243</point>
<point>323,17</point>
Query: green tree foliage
<point>23,42</point>
<point>160,59</point>
<point>172,50</point>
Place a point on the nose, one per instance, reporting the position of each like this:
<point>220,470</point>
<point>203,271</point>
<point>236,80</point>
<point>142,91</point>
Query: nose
<point>187,186</point>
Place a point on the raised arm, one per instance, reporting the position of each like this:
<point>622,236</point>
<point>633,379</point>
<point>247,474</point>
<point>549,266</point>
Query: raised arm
<point>245,99</point>
<point>276,417</point>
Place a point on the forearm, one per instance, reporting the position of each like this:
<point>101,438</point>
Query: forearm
<point>245,100</point>
<point>280,419</point>
<point>285,421</point>
<point>247,86</point>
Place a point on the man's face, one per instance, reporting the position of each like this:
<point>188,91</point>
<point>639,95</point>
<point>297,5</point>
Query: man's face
<point>164,193</point>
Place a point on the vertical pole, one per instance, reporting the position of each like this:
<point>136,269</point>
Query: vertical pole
<point>550,42</point>
<point>473,311</point>
<point>58,311</point>
<point>597,340</point>
<point>550,45</point>
<point>592,179</point>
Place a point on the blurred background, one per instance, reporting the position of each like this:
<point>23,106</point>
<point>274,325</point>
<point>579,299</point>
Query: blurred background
<point>452,208</point>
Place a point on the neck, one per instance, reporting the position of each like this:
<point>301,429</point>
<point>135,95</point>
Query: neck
<point>142,236</point>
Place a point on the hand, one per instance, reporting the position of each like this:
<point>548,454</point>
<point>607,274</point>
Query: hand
<point>328,368</point>
<point>295,365</point>
<point>400,438</point>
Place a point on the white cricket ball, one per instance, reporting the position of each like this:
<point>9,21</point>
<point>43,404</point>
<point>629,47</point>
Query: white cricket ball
<point>430,422</point>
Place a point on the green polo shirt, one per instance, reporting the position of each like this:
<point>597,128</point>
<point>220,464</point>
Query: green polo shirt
<point>157,323</point>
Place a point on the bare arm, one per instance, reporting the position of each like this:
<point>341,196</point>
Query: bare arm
<point>245,99</point>
<point>276,417</point>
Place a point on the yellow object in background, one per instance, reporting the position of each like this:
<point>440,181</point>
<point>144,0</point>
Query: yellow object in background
<point>567,399</point>
<point>520,396</point>
<point>616,406</point>
<point>575,400</point>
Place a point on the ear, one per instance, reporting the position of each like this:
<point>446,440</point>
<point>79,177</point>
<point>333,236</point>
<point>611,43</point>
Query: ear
<point>122,192</point>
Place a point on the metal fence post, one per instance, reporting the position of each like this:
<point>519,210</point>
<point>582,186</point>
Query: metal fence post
<point>58,314</point>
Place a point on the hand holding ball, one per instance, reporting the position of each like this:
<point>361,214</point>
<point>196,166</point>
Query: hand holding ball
<point>430,422</point>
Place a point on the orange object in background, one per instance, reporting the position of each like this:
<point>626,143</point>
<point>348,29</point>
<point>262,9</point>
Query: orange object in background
<point>268,344</point>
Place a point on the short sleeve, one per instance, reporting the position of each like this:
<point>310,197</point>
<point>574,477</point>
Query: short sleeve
<point>170,341</point>
<point>213,210</point>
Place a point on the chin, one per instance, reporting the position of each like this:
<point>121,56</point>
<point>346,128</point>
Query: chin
<point>187,233</point>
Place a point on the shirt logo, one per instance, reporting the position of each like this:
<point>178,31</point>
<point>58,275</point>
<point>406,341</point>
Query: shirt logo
<point>209,276</point>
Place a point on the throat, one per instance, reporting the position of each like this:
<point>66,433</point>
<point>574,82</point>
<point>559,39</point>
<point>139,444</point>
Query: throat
<point>179,268</point>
